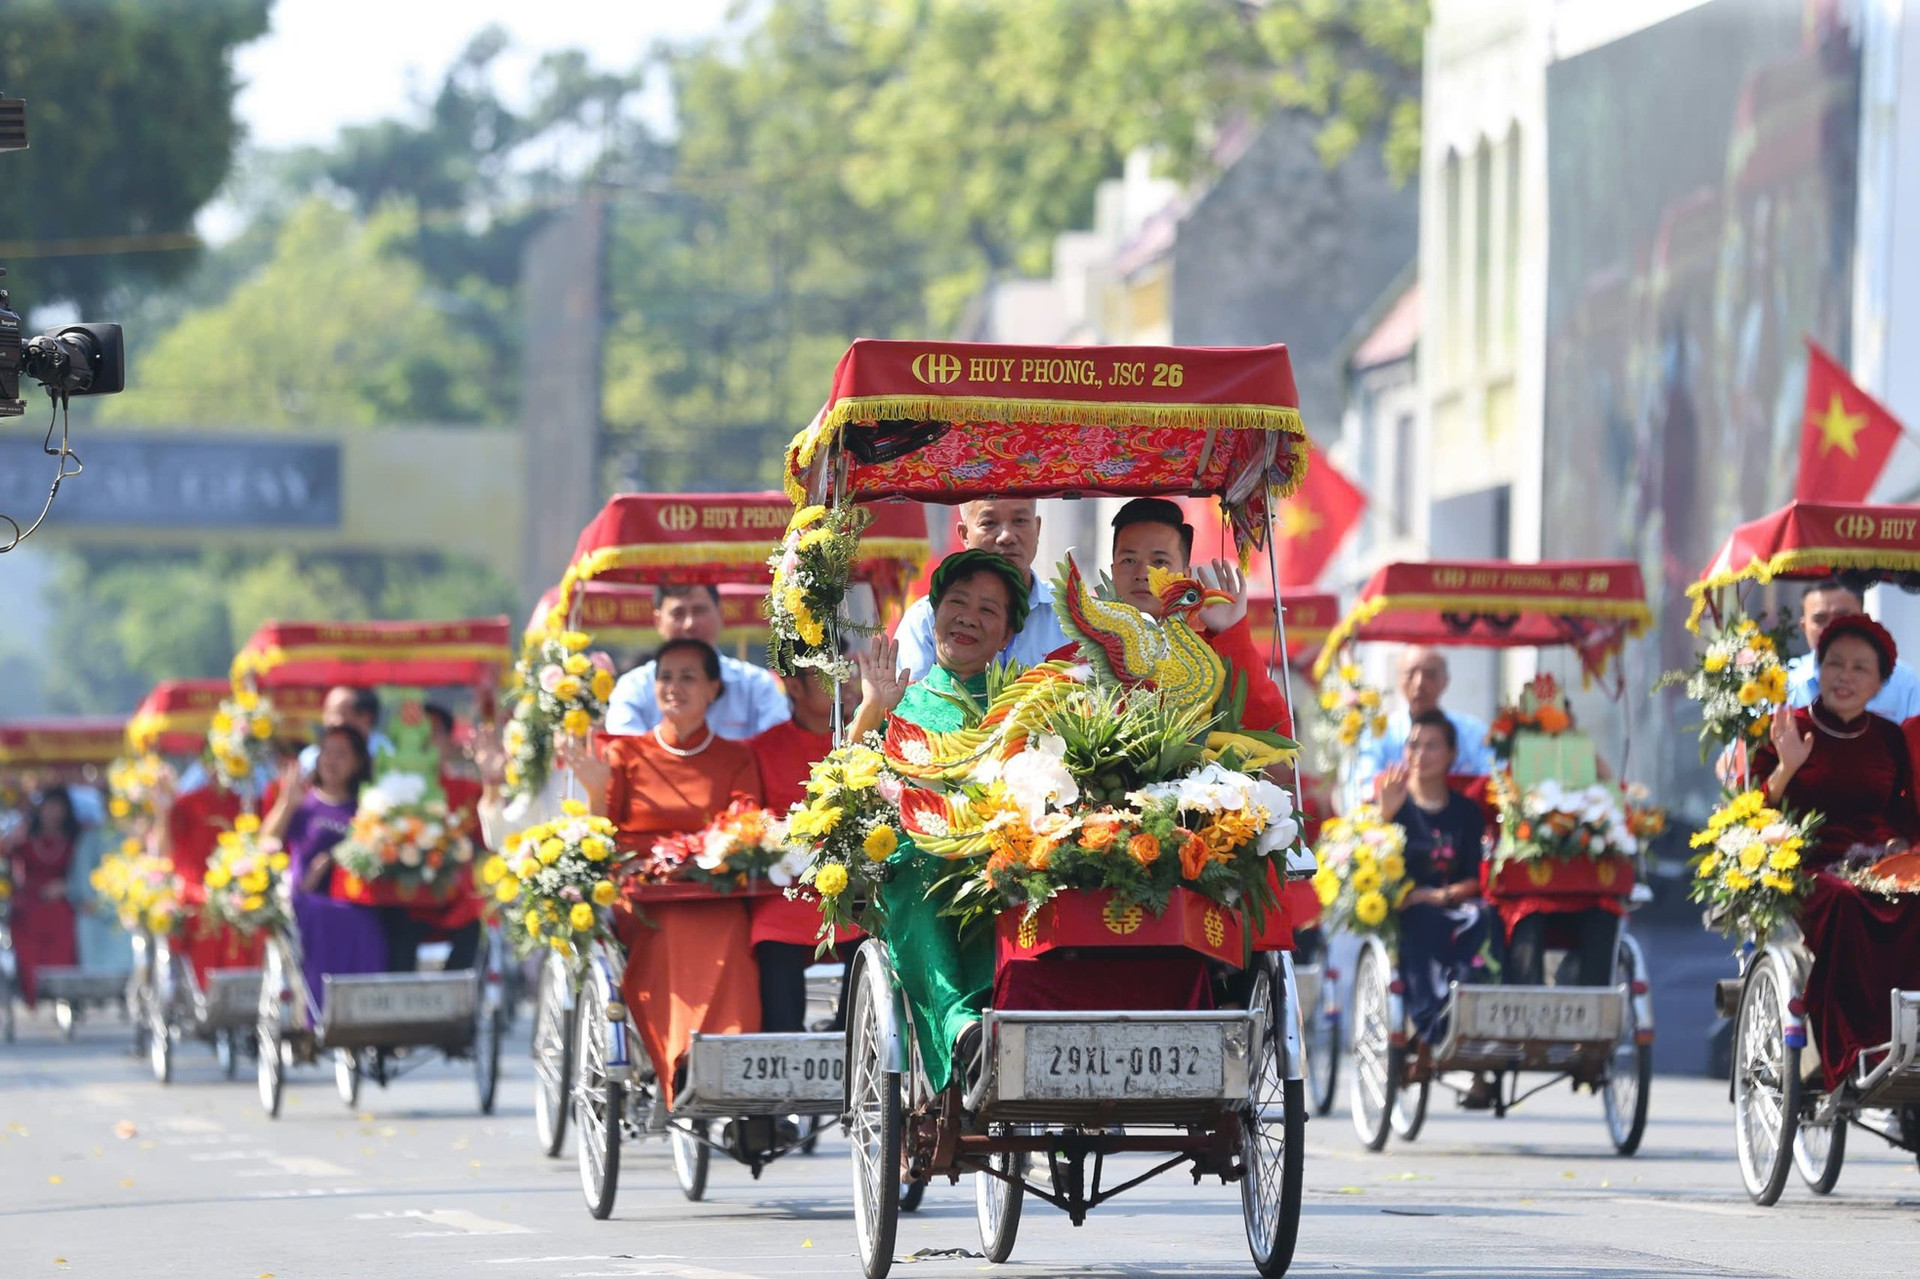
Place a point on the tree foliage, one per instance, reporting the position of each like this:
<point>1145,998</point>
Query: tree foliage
<point>130,120</point>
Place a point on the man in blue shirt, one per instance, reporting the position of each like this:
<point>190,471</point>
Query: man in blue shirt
<point>1011,528</point>
<point>1423,680</point>
<point>354,708</point>
<point>1897,700</point>
<point>751,699</point>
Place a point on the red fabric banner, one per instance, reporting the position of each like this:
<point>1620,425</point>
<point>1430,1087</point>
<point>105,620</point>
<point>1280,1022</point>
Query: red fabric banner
<point>1846,435</point>
<point>174,718</point>
<point>615,613</point>
<point>284,655</point>
<point>78,740</point>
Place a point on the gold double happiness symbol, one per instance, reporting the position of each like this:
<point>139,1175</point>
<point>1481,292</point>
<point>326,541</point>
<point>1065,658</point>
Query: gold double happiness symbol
<point>679,517</point>
<point>1121,919</point>
<point>1540,872</point>
<point>1215,928</point>
<point>1606,872</point>
<point>1029,932</point>
<point>1855,528</point>
<point>936,368</point>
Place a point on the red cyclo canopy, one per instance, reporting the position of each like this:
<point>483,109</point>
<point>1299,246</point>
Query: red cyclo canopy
<point>614,613</point>
<point>58,742</point>
<point>1806,541</point>
<point>321,655</point>
<point>957,421</point>
<point>1592,605</point>
<point>174,718</point>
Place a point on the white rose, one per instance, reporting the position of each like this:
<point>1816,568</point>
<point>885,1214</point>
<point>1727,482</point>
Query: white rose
<point>409,854</point>
<point>404,788</point>
<point>713,851</point>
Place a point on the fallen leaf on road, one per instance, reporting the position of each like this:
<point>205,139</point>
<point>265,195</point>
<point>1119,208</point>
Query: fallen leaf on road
<point>1571,1176</point>
<point>19,1128</point>
<point>55,1179</point>
<point>126,1130</point>
<point>1407,1176</point>
<point>806,1243</point>
<point>149,1145</point>
<point>1351,1190</point>
<point>366,1116</point>
<point>127,1182</point>
<point>474,1162</point>
<point>1605,1184</point>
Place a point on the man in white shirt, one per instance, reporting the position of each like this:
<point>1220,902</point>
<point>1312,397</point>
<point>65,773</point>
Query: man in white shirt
<point>1423,680</point>
<point>751,699</point>
<point>1009,527</point>
<point>1898,699</point>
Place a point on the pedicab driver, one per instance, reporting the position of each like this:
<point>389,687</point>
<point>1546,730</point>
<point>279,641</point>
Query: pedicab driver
<point>752,701</point>
<point>1010,529</point>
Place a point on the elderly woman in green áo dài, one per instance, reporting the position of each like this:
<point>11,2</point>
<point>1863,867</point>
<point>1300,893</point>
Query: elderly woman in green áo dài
<point>979,603</point>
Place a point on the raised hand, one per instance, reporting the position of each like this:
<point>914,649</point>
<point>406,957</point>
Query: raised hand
<point>1393,788</point>
<point>882,682</point>
<point>1223,576</point>
<point>1789,742</point>
<point>592,772</point>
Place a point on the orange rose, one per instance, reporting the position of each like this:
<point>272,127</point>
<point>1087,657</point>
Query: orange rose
<point>1040,856</point>
<point>1098,835</point>
<point>1193,855</point>
<point>1554,721</point>
<point>1144,848</point>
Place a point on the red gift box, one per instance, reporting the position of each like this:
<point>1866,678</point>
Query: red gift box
<point>1609,876</point>
<point>644,891</point>
<point>1094,917</point>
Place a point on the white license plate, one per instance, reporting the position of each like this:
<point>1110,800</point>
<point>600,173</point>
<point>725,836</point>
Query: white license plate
<point>1489,1013</point>
<point>1126,1059</point>
<point>397,1003</point>
<point>760,1069</point>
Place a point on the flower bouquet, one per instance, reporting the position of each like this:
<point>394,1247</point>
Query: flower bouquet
<point>1551,822</point>
<point>812,567</point>
<point>239,739</point>
<point>131,784</point>
<point>144,890</point>
<point>405,838</point>
<point>844,832</point>
<point>1738,680</point>
<point>1541,708</point>
<point>1350,708</point>
<point>557,685</point>
<point>552,876</point>
<point>1363,872</point>
<point>743,843</point>
<point>1749,871</point>
<point>245,880</point>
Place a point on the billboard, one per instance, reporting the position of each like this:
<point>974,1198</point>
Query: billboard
<point>1701,179</point>
<point>136,480</point>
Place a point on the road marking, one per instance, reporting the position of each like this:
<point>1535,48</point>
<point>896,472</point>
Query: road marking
<point>299,1166</point>
<point>453,1222</point>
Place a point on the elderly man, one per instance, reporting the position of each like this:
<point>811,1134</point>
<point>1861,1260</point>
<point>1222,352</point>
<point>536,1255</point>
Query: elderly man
<point>751,700</point>
<point>356,708</point>
<point>1897,700</point>
<point>1423,681</point>
<point>1010,528</point>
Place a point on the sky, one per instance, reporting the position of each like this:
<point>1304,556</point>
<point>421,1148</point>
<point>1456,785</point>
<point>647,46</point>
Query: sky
<point>328,63</point>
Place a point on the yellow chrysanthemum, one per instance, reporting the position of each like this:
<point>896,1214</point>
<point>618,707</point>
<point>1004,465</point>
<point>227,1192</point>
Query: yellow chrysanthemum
<point>573,807</point>
<point>261,729</point>
<point>1709,866</point>
<point>581,917</point>
<point>815,537</point>
<point>815,823</point>
<point>595,849</point>
<point>1326,886</point>
<point>604,893</point>
<point>119,807</point>
<point>246,699</point>
<point>1752,857</point>
<point>217,877</point>
<point>862,769</point>
<point>567,688</point>
<point>534,924</point>
<point>880,843</point>
<point>576,664</point>
<point>1714,663</point>
<point>602,685</point>
<point>1370,909</point>
<point>1778,883</point>
<point>1783,859</point>
<point>575,641</point>
<point>1366,879</point>
<point>831,879</point>
<point>1393,866</point>
<point>576,722</point>
<point>807,516</point>
<point>550,851</point>
<point>506,890</point>
<point>493,872</point>
<point>1738,881</point>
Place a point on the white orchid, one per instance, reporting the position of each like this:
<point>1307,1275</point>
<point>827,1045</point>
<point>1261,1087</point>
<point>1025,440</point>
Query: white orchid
<point>1038,776</point>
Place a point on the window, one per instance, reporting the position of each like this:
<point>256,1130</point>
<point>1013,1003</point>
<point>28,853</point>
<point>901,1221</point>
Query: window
<point>1483,258</point>
<point>1403,464</point>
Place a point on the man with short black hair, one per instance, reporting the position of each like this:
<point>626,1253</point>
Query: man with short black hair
<point>1010,528</point>
<point>751,700</point>
<point>1898,698</point>
<point>357,708</point>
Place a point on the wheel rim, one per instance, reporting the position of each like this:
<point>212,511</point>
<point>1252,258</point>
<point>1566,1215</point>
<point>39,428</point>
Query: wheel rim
<point>1759,1077</point>
<point>867,1123</point>
<point>550,1056</point>
<point>1371,1048</point>
<point>346,1071</point>
<point>1264,1134</point>
<point>1622,1095</point>
<point>592,1100</point>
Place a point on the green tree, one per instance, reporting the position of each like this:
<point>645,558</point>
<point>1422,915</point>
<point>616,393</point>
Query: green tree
<point>339,327</point>
<point>130,119</point>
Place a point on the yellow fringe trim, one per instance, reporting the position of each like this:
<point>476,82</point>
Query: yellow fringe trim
<point>1638,616</point>
<point>1799,560</point>
<point>263,661</point>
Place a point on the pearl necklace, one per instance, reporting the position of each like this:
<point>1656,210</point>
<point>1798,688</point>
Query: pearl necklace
<point>1836,733</point>
<point>676,751</point>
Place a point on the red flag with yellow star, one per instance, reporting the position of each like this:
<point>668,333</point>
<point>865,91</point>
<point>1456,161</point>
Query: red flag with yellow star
<point>1310,525</point>
<point>1846,437</point>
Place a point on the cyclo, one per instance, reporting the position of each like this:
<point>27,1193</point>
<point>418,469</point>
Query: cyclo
<point>44,752</point>
<point>620,615</point>
<point>1600,1036</point>
<point>1210,1080</point>
<point>746,1084</point>
<point>173,998</point>
<point>1785,1115</point>
<point>369,1021</point>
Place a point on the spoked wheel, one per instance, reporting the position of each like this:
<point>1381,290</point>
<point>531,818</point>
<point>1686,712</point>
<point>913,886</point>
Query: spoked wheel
<point>1630,1071</point>
<point>1766,1083</point>
<point>160,1045</point>
<point>347,1074</point>
<point>486,1054</point>
<point>552,1054</point>
<point>996,1205</point>
<point>270,1069</point>
<point>1323,1043</point>
<point>691,1155</point>
<point>873,1124</point>
<point>1272,1137</point>
<point>226,1051</point>
<point>597,1098</point>
<point>1818,1152</point>
<point>1410,1108</point>
<point>1376,1063</point>
<point>65,1018</point>
<point>912,1193</point>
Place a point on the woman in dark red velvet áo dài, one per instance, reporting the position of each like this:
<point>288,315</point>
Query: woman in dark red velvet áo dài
<point>1854,769</point>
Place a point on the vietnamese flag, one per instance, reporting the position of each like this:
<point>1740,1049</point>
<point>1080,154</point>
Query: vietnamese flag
<point>1307,528</point>
<point>1845,437</point>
